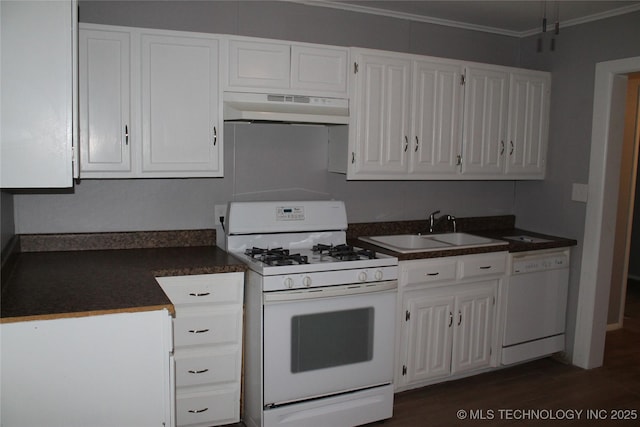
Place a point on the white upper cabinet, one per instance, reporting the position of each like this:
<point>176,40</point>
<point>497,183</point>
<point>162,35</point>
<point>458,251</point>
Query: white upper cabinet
<point>437,112</point>
<point>379,130</point>
<point>418,117</point>
<point>529,93</point>
<point>150,103</point>
<point>38,78</point>
<point>485,119</point>
<point>406,116</point>
<point>181,126</point>
<point>286,68</point>
<point>506,122</point>
<point>105,100</point>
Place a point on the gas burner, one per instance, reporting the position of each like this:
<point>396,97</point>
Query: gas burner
<point>344,252</point>
<point>276,256</point>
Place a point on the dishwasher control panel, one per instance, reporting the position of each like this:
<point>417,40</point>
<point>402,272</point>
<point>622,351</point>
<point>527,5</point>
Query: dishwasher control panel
<point>530,264</point>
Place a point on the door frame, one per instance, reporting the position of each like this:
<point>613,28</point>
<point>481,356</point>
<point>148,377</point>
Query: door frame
<point>597,248</point>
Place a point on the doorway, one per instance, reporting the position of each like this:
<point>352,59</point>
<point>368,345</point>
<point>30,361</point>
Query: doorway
<point>626,259</point>
<point>595,274</point>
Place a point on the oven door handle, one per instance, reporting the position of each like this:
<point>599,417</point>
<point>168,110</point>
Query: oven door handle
<point>330,291</point>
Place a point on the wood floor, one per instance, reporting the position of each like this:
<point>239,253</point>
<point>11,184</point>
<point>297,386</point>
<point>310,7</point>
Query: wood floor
<point>554,389</point>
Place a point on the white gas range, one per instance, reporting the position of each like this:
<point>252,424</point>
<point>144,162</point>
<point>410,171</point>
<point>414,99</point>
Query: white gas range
<point>320,316</point>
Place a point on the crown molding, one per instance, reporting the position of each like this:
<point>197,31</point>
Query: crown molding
<point>462,25</point>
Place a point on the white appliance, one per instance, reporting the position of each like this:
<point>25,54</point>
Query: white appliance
<point>285,108</point>
<point>319,317</point>
<point>536,304</point>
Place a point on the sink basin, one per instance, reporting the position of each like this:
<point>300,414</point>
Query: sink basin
<point>460,239</point>
<point>405,242</point>
<point>410,243</point>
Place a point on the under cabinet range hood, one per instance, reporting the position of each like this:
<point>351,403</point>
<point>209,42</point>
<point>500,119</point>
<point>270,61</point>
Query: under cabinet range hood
<point>263,107</point>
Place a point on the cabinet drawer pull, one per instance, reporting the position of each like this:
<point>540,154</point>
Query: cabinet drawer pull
<point>197,411</point>
<point>198,331</point>
<point>432,274</point>
<point>196,294</point>
<point>485,267</point>
<point>200,371</point>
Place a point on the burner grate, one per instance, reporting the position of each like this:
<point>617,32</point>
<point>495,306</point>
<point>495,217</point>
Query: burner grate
<point>276,256</point>
<point>344,252</point>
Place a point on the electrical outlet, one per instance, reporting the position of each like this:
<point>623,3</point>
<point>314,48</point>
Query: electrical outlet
<point>219,211</point>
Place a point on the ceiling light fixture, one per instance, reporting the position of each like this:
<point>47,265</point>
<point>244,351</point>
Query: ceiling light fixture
<point>556,29</point>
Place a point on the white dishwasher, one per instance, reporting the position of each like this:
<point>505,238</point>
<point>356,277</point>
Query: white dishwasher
<point>536,304</point>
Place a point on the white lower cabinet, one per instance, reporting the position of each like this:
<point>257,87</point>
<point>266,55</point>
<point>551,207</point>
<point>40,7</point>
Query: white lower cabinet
<point>207,346</point>
<point>104,370</point>
<point>448,325</point>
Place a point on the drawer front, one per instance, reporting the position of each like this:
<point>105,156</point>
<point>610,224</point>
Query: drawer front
<point>483,265</point>
<point>217,327</point>
<point>214,407</point>
<point>223,288</point>
<point>196,369</point>
<point>440,270</point>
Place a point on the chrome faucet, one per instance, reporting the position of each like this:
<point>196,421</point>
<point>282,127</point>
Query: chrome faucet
<point>433,220</point>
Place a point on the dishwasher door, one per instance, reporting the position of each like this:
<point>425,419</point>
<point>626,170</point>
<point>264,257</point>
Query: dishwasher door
<point>536,305</point>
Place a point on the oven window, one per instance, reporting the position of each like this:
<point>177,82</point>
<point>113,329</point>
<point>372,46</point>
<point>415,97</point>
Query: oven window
<point>324,340</point>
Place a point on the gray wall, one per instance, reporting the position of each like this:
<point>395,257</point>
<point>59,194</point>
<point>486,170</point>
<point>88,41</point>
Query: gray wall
<point>547,205</point>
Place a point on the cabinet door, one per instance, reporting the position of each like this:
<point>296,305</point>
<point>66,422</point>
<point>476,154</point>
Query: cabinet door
<point>105,119</point>
<point>528,123</point>
<point>485,121</point>
<point>382,103</point>
<point>319,69</point>
<point>437,117</point>
<point>38,96</point>
<point>429,334</point>
<point>473,327</point>
<point>181,123</point>
<point>259,65</point>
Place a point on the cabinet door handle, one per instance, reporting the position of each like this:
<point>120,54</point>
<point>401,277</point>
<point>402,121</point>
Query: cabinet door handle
<point>126,134</point>
<point>201,371</point>
<point>450,319</point>
<point>501,148</point>
<point>353,157</point>
<point>215,135</point>
<point>198,331</point>
<point>196,294</point>
<point>417,143</point>
<point>406,143</point>
<point>511,150</point>
<point>197,411</point>
<point>459,317</point>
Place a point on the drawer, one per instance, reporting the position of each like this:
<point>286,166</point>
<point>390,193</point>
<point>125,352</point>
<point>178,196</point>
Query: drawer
<point>223,288</point>
<point>218,406</point>
<point>206,368</point>
<point>483,265</point>
<point>437,270</point>
<point>216,327</point>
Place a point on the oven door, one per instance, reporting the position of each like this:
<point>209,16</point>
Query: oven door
<point>330,340</point>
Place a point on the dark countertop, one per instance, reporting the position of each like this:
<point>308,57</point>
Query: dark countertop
<point>496,227</point>
<point>71,283</point>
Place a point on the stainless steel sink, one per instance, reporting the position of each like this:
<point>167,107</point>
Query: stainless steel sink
<point>410,243</point>
<point>526,239</point>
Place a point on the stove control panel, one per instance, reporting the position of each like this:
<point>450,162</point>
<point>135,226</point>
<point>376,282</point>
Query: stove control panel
<point>290,213</point>
<point>281,282</point>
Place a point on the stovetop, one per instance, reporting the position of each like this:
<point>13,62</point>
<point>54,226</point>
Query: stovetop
<point>320,253</point>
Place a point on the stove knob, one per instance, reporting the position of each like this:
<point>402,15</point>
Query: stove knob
<point>362,276</point>
<point>288,282</point>
<point>306,281</point>
<point>378,275</point>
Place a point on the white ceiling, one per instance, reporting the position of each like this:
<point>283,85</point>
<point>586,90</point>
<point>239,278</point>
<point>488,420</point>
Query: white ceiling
<point>514,18</point>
